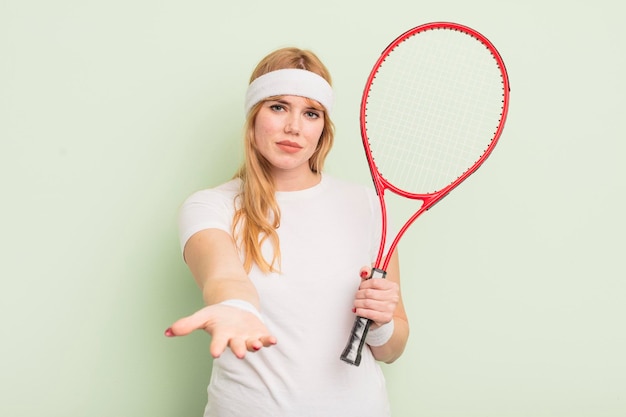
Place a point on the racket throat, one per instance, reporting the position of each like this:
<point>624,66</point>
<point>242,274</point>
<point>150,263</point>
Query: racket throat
<point>378,273</point>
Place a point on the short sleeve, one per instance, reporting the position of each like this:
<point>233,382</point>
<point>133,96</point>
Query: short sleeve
<point>206,209</point>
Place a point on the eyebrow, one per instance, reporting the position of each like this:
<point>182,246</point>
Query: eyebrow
<point>310,107</point>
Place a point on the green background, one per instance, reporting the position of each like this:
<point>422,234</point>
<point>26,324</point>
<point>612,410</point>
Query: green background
<point>112,112</point>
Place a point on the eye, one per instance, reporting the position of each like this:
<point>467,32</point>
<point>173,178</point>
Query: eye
<point>312,114</point>
<point>277,107</point>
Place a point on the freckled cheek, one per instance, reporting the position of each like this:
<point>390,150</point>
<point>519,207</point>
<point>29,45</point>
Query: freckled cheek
<point>265,130</point>
<point>315,137</point>
<point>261,136</point>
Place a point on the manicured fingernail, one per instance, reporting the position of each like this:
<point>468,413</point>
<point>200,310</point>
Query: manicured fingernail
<point>169,332</point>
<point>363,274</point>
<point>256,347</point>
<point>354,309</point>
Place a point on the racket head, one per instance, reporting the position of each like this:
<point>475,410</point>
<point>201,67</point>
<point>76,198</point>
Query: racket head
<point>433,109</point>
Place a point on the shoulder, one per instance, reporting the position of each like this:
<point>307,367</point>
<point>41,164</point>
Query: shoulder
<point>212,208</point>
<point>224,192</point>
<point>349,189</point>
<point>211,203</point>
<point>353,197</point>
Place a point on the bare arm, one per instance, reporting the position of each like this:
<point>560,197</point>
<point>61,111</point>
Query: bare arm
<point>215,265</point>
<point>214,262</point>
<point>380,300</point>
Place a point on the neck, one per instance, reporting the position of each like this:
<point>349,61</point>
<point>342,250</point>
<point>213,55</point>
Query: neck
<point>296,181</point>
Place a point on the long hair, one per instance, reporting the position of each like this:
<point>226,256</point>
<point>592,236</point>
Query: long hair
<point>258,216</point>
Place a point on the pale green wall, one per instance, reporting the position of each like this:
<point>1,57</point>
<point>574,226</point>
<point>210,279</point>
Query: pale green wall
<point>112,112</point>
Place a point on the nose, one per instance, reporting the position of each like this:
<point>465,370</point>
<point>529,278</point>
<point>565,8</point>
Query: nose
<point>292,124</point>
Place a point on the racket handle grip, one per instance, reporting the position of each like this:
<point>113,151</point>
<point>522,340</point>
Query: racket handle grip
<point>352,352</point>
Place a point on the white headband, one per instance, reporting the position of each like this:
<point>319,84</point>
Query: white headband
<point>291,82</point>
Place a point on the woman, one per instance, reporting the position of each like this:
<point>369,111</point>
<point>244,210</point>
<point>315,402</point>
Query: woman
<point>277,253</point>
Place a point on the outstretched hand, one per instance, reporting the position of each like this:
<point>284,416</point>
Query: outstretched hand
<point>229,327</point>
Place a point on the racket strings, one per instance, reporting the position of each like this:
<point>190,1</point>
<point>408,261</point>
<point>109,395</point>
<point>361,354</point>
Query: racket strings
<point>432,109</point>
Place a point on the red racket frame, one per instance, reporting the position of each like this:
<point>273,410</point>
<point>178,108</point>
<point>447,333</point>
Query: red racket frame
<point>428,200</point>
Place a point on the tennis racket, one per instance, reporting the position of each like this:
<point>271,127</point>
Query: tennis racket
<point>432,111</point>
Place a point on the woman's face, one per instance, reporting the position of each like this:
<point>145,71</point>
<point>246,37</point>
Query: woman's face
<point>287,131</point>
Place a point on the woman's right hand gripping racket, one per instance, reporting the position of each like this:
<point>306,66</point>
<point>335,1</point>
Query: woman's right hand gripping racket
<point>432,111</point>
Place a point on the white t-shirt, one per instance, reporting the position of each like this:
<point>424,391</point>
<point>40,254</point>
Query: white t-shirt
<point>327,233</point>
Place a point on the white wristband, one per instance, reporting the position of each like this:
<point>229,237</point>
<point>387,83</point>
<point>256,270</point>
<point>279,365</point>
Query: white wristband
<point>242,305</point>
<point>380,335</point>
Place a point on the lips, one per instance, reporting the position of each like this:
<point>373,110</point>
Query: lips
<point>288,146</point>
